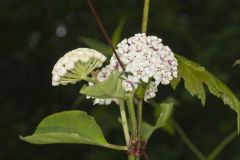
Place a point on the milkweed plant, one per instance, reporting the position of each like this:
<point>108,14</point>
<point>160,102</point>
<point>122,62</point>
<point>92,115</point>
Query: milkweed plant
<point>130,79</point>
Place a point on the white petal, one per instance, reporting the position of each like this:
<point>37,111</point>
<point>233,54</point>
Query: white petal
<point>55,83</point>
<point>70,65</point>
<point>61,71</point>
<point>55,78</point>
<point>84,58</point>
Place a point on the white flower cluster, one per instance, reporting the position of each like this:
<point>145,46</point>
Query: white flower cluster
<point>145,59</point>
<point>76,65</point>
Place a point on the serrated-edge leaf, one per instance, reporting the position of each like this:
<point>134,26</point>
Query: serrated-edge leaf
<point>195,76</point>
<point>174,83</point>
<point>192,82</point>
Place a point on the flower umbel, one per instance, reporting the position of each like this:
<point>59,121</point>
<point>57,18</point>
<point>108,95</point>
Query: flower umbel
<point>146,60</point>
<point>76,65</point>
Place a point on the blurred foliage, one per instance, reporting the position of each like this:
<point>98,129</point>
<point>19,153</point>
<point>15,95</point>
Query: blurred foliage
<point>34,34</point>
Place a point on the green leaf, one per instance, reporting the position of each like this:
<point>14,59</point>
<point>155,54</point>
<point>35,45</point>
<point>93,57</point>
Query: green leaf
<point>169,128</point>
<point>110,88</point>
<point>118,31</point>
<point>69,127</point>
<point>195,76</point>
<point>147,131</point>
<point>191,73</point>
<point>163,111</point>
<point>99,46</point>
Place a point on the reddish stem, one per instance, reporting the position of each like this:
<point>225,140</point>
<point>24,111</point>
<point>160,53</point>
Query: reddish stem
<point>106,36</point>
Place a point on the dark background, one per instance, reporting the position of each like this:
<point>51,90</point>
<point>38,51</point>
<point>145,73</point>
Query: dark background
<point>206,31</point>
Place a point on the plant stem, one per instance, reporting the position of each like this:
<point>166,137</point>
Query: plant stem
<point>116,147</point>
<point>188,142</point>
<point>131,157</point>
<point>145,16</point>
<point>104,32</point>
<point>131,111</point>
<point>139,126</point>
<point>124,121</point>
<point>129,99</point>
<point>139,107</point>
<point>221,145</point>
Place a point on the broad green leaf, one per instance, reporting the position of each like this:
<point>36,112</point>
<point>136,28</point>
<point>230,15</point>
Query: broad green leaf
<point>110,88</point>
<point>236,63</point>
<point>195,76</point>
<point>99,46</point>
<point>69,127</point>
<point>164,111</point>
<point>118,32</point>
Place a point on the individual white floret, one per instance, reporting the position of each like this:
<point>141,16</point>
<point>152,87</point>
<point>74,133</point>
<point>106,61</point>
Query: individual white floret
<point>103,74</point>
<point>151,91</point>
<point>69,65</point>
<point>102,101</point>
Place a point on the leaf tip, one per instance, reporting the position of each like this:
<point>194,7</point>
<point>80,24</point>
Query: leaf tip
<point>22,138</point>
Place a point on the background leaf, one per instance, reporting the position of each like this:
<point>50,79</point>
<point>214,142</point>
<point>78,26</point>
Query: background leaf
<point>118,31</point>
<point>99,46</point>
<point>68,127</point>
<point>164,112</point>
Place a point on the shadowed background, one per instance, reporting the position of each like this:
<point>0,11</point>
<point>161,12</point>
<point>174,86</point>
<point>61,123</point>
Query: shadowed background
<point>35,34</point>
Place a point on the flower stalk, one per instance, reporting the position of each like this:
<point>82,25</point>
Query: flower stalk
<point>145,16</point>
<point>133,120</point>
<point>124,121</point>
